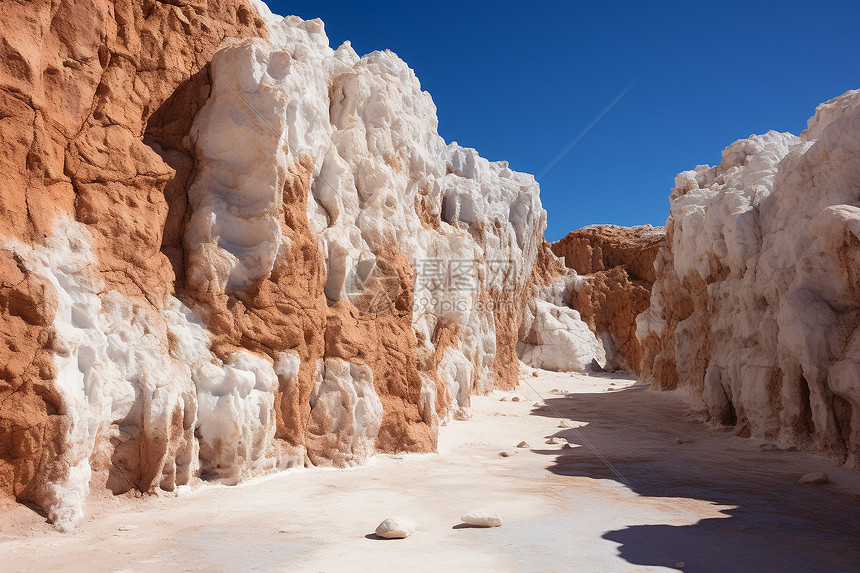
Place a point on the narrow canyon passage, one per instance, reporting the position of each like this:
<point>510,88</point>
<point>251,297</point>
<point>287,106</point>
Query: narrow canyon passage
<point>260,310</point>
<point>686,494</point>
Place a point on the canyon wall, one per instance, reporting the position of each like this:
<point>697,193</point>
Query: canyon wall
<point>228,249</point>
<point>616,271</point>
<point>756,304</point>
<point>83,283</point>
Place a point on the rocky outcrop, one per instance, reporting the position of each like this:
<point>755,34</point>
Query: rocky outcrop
<point>756,305</point>
<point>83,211</point>
<point>552,335</point>
<point>616,270</point>
<point>599,248</point>
<point>228,249</point>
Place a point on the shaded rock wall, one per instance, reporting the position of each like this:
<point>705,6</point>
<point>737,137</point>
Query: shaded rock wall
<point>755,309</point>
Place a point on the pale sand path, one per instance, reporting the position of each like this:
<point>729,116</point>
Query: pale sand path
<point>716,502</point>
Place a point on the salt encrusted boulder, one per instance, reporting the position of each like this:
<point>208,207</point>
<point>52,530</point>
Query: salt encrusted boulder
<point>755,308</point>
<point>552,335</point>
<point>555,338</point>
<point>482,518</point>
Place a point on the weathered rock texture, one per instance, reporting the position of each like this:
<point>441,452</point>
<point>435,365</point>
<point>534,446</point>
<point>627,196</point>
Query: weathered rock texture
<point>616,270</point>
<point>79,83</point>
<point>228,248</point>
<point>756,306</point>
<point>552,335</point>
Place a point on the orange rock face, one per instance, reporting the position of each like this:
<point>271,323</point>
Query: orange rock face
<point>79,84</point>
<point>616,265</point>
<point>173,267</point>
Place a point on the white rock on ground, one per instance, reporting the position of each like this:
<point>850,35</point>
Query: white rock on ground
<point>814,478</point>
<point>395,528</point>
<point>482,518</point>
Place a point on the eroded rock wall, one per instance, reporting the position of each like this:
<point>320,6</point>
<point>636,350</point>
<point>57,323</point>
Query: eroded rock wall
<point>229,248</point>
<point>616,271</point>
<point>85,286</point>
<point>756,305</point>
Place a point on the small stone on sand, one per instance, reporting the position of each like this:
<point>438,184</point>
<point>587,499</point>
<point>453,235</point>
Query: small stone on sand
<point>516,399</point>
<point>503,399</point>
<point>506,454</point>
<point>815,477</point>
<point>523,444</point>
<point>562,425</point>
<point>395,528</point>
<point>535,374</point>
<point>482,518</point>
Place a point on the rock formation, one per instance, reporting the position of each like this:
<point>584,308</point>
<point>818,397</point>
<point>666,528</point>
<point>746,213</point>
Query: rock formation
<point>228,248</point>
<point>85,288</point>
<point>616,270</point>
<point>756,305</point>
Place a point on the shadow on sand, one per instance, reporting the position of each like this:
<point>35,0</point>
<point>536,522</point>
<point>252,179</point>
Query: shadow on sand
<point>776,524</point>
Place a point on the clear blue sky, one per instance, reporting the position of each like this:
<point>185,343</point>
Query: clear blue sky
<point>519,80</point>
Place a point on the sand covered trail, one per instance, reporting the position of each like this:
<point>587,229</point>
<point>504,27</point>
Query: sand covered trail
<point>683,493</point>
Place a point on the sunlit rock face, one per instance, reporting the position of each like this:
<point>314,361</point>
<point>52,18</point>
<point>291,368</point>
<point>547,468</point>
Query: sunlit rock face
<point>92,386</point>
<point>616,269</point>
<point>757,301</point>
<point>257,253</point>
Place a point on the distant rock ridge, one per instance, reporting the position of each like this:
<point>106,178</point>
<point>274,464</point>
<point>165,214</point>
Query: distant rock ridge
<point>616,270</point>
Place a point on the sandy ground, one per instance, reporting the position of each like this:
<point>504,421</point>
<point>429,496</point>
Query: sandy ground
<point>644,487</point>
